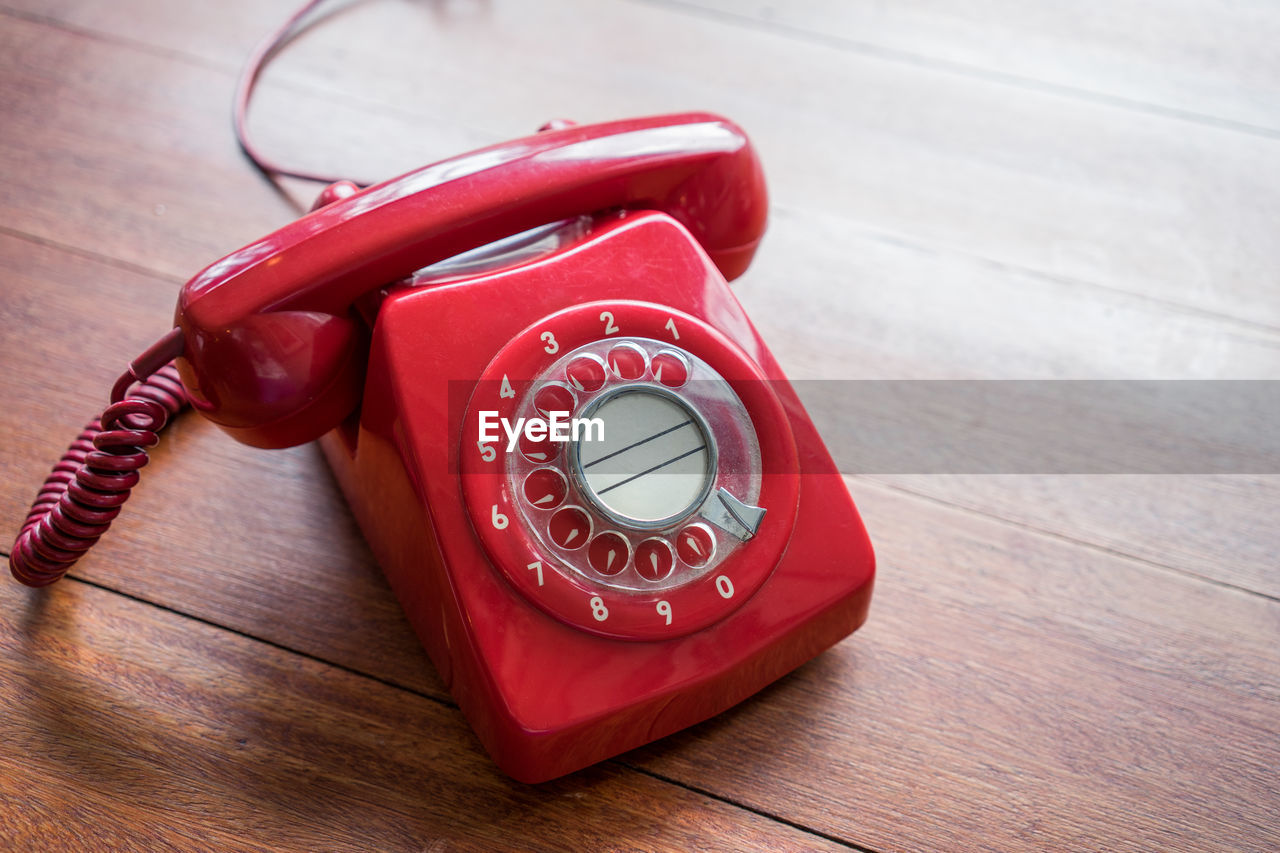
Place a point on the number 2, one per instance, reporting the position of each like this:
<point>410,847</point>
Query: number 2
<point>606,317</point>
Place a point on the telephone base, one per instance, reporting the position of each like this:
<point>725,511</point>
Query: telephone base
<point>548,695</point>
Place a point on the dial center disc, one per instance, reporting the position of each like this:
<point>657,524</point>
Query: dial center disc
<point>656,461</point>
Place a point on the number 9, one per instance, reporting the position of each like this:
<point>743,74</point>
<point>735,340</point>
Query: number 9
<point>664,609</point>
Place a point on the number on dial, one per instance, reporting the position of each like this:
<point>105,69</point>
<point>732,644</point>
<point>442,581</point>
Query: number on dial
<point>664,609</point>
<point>598,610</point>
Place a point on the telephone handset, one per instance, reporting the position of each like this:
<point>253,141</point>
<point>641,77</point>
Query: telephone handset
<point>599,501</point>
<point>270,350</point>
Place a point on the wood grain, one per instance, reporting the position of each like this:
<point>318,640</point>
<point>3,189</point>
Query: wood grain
<point>257,541</point>
<point>1083,191</point>
<point>129,728</point>
<point>1015,692</point>
<point>1196,59</point>
<point>1051,663</point>
<point>886,306</point>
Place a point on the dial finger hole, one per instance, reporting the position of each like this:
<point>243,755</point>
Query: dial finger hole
<point>696,545</point>
<point>545,488</point>
<point>608,553</point>
<point>670,369</point>
<point>541,449</point>
<point>586,373</point>
<point>627,361</point>
<point>553,398</point>
<point>570,528</point>
<point>654,559</point>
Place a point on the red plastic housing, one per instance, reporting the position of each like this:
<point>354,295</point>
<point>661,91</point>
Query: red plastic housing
<point>547,691</point>
<point>271,354</point>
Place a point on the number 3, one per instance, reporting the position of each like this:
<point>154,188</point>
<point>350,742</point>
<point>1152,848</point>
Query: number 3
<point>552,345</point>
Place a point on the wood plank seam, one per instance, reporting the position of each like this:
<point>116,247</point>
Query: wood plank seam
<point>229,69</point>
<point>908,241</point>
<point>450,704</point>
<point>942,66</point>
<point>695,789</point>
<point>388,682</point>
<point>1108,550</point>
<point>982,513</point>
<point>108,38</point>
<point>364,103</point>
<point>870,51</point>
<point>96,257</point>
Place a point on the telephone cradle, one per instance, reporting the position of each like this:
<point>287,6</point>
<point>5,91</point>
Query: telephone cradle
<point>598,499</point>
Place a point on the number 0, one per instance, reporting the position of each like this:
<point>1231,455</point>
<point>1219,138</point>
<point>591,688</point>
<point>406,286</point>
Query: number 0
<point>724,586</point>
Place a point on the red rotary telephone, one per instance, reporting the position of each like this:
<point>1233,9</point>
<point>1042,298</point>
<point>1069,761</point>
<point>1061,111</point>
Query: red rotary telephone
<point>445,335</point>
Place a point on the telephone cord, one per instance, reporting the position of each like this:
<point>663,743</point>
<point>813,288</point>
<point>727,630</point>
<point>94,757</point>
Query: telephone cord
<point>258,60</point>
<point>91,482</point>
<point>89,485</point>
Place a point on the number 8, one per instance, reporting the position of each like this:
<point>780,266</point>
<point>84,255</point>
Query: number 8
<point>598,610</point>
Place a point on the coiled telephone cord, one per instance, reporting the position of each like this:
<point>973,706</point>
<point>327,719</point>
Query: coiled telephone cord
<point>91,482</point>
<point>88,486</point>
<point>93,479</point>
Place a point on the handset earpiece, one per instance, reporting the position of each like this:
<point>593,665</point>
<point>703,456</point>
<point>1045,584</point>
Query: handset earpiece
<point>277,378</point>
<point>272,355</point>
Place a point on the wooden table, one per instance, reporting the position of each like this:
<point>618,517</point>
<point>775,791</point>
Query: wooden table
<point>960,191</point>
